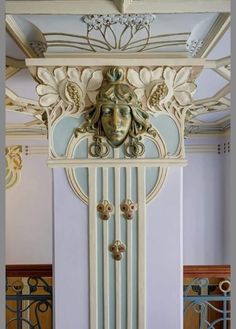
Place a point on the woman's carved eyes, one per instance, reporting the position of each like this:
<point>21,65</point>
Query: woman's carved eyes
<point>123,111</point>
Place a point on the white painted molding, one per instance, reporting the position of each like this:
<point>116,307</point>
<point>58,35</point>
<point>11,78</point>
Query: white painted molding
<point>17,34</point>
<point>218,29</point>
<point>115,7</point>
<point>116,163</point>
<point>129,254</point>
<point>117,237</point>
<point>106,296</point>
<point>141,249</point>
<point>196,148</point>
<point>124,59</point>
<point>93,248</point>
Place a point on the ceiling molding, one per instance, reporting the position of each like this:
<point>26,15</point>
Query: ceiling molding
<point>19,37</point>
<point>220,94</point>
<point>123,5</point>
<point>116,6</point>
<point>14,97</point>
<point>13,66</point>
<point>216,32</point>
<point>10,71</point>
<point>14,62</point>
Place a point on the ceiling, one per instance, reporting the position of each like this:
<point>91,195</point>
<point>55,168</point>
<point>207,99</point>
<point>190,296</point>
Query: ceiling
<point>170,29</point>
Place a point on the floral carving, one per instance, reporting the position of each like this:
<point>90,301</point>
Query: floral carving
<point>13,164</point>
<point>162,85</point>
<point>105,209</point>
<point>128,208</point>
<point>71,85</point>
<point>117,248</point>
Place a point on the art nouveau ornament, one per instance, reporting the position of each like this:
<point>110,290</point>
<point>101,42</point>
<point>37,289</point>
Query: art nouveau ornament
<point>13,164</point>
<point>128,207</point>
<point>116,155</point>
<point>105,209</point>
<point>117,248</point>
<point>71,85</point>
<point>162,86</point>
<point>117,114</point>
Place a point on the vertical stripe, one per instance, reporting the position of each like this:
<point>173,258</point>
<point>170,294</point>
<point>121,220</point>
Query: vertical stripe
<point>117,237</point>
<point>106,252</point>
<point>92,248</point>
<point>141,249</point>
<point>129,254</point>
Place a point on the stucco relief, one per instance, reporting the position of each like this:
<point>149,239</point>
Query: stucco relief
<point>13,165</point>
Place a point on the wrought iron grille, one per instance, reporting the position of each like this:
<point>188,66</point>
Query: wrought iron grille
<point>28,303</point>
<point>207,304</point>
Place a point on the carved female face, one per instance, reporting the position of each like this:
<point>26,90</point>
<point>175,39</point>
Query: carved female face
<point>116,121</point>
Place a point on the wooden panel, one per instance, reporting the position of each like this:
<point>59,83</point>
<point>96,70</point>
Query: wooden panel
<point>190,271</point>
<point>206,271</point>
<point>25,270</point>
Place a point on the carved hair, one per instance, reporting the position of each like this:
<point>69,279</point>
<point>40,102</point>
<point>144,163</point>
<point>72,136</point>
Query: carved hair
<point>116,91</point>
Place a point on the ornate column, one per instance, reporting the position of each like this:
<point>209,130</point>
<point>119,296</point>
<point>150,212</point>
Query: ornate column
<point>116,131</point>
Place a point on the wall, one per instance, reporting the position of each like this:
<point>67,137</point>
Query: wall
<point>206,208</point>
<point>29,212</point>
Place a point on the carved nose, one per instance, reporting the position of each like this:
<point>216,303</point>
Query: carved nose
<point>116,117</point>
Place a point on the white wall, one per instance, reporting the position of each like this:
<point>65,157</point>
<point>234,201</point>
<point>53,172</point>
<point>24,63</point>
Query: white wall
<point>206,214</point>
<point>29,213</point>
<point>165,254</point>
<point>71,256</point>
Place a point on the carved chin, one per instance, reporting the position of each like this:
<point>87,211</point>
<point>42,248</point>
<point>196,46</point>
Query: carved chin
<point>115,141</point>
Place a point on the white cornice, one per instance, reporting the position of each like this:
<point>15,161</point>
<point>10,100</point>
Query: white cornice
<point>116,6</point>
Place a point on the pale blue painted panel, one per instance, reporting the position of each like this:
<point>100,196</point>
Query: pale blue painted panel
<point>151,150</point>
<point>63,132</point>
<point>134,192</point>
<point>81,150</point>
<point>111,193</point>
<point>168,130</point>
<point>99,254</point>
<point>124,256</point>
<point>82,173</point>
<point>151,178</point>
<point>82,177</point>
